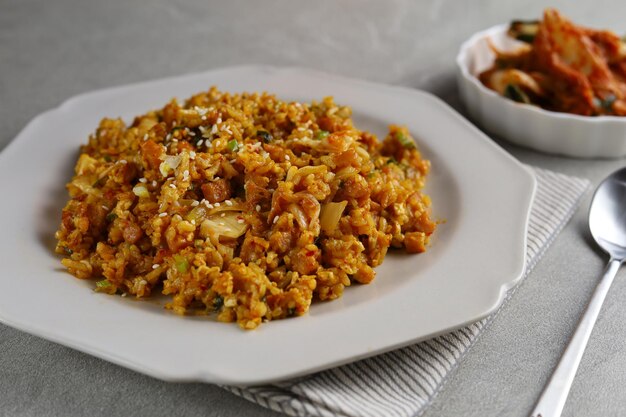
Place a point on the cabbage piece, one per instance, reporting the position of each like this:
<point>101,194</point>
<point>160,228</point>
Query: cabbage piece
<point>330,215</point>
<point>231,224</point>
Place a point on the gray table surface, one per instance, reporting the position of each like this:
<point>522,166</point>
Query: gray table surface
<point>52,50</point>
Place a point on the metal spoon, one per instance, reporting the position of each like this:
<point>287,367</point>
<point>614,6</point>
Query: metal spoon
<point>607,223</point>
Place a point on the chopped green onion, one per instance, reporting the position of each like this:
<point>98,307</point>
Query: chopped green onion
<point>181,263</point>
<point>291,311</point>
<point>218,302</point>
<point>175,128</point>
<point>107,158</point>
<point>67,250</point>
<point>103,284</point>
<point>266,136</point>
<point>232,145</point>
<point>516,94</point>
<point>405,140</point>
<point>111,216</point>
<point>322,134</point>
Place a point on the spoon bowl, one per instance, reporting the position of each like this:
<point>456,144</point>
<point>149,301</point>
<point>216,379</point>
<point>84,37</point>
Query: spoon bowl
<point>607,215</point>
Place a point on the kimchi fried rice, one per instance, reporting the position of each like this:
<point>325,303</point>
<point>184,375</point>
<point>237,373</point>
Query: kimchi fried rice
<point>241,204</point>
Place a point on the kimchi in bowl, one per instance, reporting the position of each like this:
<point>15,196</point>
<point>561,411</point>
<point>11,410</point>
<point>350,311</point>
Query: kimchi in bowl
<point>528,125</point>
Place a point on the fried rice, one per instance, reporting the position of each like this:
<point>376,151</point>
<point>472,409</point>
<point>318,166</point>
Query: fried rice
<point>241,205</point>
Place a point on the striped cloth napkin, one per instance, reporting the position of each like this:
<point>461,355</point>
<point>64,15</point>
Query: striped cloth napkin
<point>403,382</point>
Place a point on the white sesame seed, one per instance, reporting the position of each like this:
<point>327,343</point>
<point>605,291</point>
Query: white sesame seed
<point>217,204</point>
<point>123,161</point>
<point>162,214</point>
<point>175,140</point>
<point>186,173</point>
<point>214,129</point>
<point>173,186</point>
<point>145,137</point>
<point>209,144</point>
<point>219,120</point>
<point>232,161</point>
<point>209,205</point>
<point>275,219</point>
<point>154,183</point>
<point>190,133</point>
<point>143,180</point>
<point>228,203</point>
<point>200,142</point>
<point>155,266</point>
<point>223,215</point>
<point>287,158</point>
<point>258,207</point>
<point>203,117</point>
<point>195,203</point>
<point>222,224</point>
<point>192,155</point>
<point>106,208</point>
<point>193,222</point>
<point>240,221</point>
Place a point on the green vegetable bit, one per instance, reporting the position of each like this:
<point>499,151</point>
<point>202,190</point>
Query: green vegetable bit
<point>524,30</point>
<point>516,94</point>
<point>181,263</point>
<point>266,136</point>
<point>607,102</point>
<point>103,284</point>
<point>524,37</point>
<point>405,140</point>
<point>218,302</point>
<point>111,216</point>
<point>232,145</point>
<point>322,134</point>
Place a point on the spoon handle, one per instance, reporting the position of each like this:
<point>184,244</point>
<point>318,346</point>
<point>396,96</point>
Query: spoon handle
<point>555,393</point>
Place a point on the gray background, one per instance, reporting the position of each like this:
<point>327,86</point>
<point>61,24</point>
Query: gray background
<point>52,50</point>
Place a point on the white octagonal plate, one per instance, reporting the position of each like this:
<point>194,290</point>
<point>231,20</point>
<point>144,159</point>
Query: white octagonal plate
<point>481,192</point>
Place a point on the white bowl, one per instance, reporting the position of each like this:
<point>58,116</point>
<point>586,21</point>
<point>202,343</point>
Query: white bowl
<point>527,125</point>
